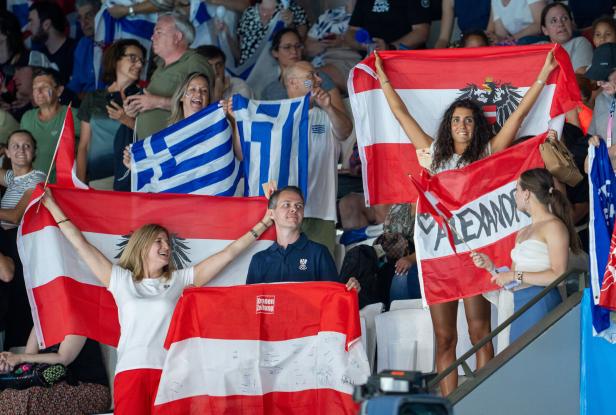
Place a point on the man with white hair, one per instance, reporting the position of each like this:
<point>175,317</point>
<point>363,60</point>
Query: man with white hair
<point>327,125</point>
<point>172,36</point>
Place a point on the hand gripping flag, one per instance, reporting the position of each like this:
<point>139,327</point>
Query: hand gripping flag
<point>602,183</point>
<point>285,349</point>
<point>433,206</point>
<point>481,198</point>
<point>428,81</point>
<point>274,141</point>
<point>194,155</point>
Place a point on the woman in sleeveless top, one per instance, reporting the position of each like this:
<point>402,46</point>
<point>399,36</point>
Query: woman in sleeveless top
<point>464,136</point>
<point>542,248</point>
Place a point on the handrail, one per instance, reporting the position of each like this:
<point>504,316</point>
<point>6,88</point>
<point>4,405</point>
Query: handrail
<point>462,359</point>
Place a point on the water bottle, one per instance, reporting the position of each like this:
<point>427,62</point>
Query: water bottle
<point>363,37</point>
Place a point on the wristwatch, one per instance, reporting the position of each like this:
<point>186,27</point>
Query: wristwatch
<point>519,276</point>
<point>131,10</point>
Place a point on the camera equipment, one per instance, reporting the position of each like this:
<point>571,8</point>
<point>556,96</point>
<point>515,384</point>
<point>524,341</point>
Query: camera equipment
<point>399,392</point>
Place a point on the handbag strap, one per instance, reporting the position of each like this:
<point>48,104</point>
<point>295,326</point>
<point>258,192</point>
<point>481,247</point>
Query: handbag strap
<point>609,122</point>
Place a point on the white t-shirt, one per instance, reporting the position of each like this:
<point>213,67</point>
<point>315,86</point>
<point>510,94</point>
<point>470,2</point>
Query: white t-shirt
<point>144,311</point>
<point>516,16</point>
<point>322,174</point>
<point>580,52</point>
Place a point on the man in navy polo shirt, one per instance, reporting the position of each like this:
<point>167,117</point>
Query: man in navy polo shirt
<point>293,257</point>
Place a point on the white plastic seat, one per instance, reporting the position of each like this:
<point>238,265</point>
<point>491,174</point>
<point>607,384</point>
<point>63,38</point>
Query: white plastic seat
<point>368,314</point>
<point>402,304</point>
<point>405,340</point>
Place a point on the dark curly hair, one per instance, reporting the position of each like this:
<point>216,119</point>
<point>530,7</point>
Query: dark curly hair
<point>443,144</point>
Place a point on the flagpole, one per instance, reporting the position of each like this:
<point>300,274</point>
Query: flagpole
<point>53,159</point>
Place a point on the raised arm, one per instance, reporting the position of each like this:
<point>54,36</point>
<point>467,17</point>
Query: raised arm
<point>413,131</point>
<point>96,261</point>
<point>507,134</point>
<point>211,266</point>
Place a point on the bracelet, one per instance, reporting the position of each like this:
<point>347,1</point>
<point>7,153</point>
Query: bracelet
<point>385,81</point>
<point>519,275</point>
<point>263,223</point>
<point>62,221</point>
<point>131,11</point>
<point>540,81</point>
<point>255,234</point>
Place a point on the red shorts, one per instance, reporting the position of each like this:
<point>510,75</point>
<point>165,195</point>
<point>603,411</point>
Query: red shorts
<point>134,391</point>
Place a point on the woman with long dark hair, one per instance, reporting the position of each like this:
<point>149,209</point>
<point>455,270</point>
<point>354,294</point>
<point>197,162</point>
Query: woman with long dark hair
<point>464,136</point>
<point>542,248</point>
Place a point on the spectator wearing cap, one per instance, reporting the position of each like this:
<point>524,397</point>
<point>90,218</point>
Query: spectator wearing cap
<point>602,71</point>
<point>83,79</point>
<point>45,121</point>
<point>47,24</point>
<point>172,36</point>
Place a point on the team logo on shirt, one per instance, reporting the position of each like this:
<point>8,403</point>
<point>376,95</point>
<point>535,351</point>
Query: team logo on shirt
<point>179,250</point>
<point>380,6</point>
<point>318,129</point>
<point>497,99</point>
<point>266,304</point>
<point>303,264</point>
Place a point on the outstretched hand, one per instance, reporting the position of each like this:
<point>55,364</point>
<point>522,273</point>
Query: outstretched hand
<point>550,64</point>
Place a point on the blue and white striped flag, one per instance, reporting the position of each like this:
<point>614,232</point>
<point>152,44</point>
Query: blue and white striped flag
<point>194,155</point>
<point>274,141</point>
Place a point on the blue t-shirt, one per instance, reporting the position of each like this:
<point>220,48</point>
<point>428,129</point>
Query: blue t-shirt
<point>472,14</point>
<point>303,260</point>
<point>83,79</point>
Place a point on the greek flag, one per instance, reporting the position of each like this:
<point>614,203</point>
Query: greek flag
<point>274,141</point>
<point>602,215</point>
<point>194,155</point>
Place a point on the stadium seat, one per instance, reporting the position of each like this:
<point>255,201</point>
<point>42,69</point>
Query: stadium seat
<point>368,314</point>
<point>405,340</point>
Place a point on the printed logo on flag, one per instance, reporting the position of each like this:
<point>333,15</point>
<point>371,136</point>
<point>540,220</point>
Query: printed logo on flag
<point>266,304</point>
<point>497,99</point>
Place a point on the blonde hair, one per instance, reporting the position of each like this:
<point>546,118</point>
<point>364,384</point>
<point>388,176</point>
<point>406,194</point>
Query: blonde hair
<point>134,256</point>
<point>177,109</point>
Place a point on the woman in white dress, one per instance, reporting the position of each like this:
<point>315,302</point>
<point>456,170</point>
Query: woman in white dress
<point>542,248</point>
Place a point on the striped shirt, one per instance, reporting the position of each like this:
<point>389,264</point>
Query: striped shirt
<point>17,186</point>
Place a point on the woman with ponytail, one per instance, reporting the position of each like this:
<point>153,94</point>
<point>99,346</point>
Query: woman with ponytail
<point>542,248</point>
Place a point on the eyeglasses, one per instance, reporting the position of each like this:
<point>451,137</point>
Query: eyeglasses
<point>297,46</point>
<point>196,91</point>
<point>134,58</point>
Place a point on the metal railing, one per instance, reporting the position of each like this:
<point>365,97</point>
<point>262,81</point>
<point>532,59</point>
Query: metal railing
<point>462,360</point>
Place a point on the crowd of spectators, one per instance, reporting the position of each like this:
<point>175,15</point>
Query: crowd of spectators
<point>140,85</point>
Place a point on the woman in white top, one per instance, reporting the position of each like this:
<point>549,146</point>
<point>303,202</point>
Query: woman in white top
<point>511,20</point>
<point>145,287</point>
<point>557,24</point>
<point>464,136</point>
<point>542,248</point>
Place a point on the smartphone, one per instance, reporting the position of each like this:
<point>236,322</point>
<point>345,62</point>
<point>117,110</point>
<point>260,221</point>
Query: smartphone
<point>132,89</point>
<point>114,97</point>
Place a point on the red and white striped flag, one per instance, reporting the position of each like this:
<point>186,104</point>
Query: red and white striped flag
<point>428,81</point>
<point>284,348</point>
<point>67,298</point>
<point>433,206</point>
<point>481,198</point>
<point>66,168</point>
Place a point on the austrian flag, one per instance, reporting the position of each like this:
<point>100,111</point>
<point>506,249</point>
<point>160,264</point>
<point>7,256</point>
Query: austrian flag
<point>298,353</point>
<point>428,81</point>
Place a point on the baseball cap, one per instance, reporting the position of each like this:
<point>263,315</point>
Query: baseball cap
<point>603,62</point>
